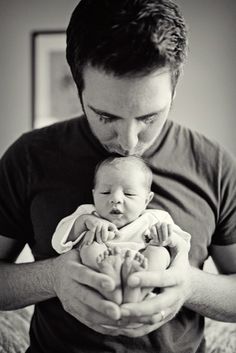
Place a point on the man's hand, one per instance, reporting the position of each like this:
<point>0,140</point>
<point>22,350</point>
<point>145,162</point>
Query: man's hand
<point>175,289</point>
<point>79,290</point>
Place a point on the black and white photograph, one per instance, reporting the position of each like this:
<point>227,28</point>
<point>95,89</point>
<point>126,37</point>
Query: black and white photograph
<point>117,176</point>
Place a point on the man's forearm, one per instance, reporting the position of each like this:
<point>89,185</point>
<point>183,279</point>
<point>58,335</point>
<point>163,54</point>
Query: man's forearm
<point>25,284</point>
<point>213,295</point>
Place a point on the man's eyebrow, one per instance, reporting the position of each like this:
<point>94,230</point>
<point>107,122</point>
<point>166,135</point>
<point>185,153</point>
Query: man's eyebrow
<point>109,115</point>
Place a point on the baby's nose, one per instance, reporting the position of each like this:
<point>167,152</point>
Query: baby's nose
<point>116,198</point>
<point>114,202</point>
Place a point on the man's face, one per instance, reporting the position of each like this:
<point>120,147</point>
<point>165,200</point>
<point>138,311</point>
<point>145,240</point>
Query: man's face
<point>126,114</point>
<point>121,193</point>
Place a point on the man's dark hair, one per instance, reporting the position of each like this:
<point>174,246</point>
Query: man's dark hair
<point>126,38</point>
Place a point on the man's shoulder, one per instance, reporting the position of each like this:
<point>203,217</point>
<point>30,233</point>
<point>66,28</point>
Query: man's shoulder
<point>193,150</point>
<point>59,139</point>
<point>191,135</point>
<point>192,142</point>
<point>59,129</point>
<point>61,136</point>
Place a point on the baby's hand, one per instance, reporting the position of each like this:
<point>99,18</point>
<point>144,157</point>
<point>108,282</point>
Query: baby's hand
<point>160,234</point>
<point>99,229</point>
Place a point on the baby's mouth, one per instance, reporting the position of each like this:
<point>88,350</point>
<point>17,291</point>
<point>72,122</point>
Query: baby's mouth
<point>115,211</point>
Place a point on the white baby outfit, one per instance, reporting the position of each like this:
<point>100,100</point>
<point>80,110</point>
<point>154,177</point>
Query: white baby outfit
<point>131,235</point>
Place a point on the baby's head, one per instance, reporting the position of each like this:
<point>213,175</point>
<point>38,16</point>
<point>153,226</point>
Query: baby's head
<point>122,189</point>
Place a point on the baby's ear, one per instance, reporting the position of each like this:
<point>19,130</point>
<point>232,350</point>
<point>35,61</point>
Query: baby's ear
<point>149,197</point>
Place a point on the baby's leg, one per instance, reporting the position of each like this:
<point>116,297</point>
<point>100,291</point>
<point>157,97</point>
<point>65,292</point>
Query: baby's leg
<point>99,257</point>
<point>132,263</point>
<point>110,263</point>
<point>158,257</point>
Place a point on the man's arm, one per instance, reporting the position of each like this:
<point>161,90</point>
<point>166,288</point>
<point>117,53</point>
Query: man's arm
<point>213,295</point>
<point>30,283</point>
<point>208,294</point>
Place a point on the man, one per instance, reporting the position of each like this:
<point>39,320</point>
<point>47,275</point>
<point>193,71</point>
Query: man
<point>125,57</point>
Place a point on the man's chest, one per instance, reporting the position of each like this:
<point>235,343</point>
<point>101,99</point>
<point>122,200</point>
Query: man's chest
<point>55,194</point>
<point>192,207</point>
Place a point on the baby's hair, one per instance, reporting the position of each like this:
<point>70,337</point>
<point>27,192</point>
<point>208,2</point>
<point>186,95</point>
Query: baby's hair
<point>115,161</point>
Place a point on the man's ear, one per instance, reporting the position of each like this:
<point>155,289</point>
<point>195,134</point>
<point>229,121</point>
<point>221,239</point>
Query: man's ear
<point>149,197</point>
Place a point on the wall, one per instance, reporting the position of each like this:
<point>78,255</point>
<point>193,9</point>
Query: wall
<point>205,99</point>
<point>18,18</point>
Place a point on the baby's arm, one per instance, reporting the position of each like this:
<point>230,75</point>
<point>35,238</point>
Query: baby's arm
<point>71,229</point>
<point>99,229</point>
<point>63,231</point>
<point>159,234</point>
<point>162,243</point>
<point>166,234</point>
<point>163,231</point>
<point>79,226</point>
<point>157,238</point>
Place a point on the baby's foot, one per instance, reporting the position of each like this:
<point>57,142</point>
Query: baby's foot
<point>89,253</point>
<point>110,262</point>
<point>132,264</point>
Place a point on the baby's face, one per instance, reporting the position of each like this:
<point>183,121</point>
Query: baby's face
<point>120,194</point>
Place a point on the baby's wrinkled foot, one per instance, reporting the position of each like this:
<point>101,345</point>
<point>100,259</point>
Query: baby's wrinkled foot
<point>110,262</point>
<point>89,253</point>
<point>132,263</point>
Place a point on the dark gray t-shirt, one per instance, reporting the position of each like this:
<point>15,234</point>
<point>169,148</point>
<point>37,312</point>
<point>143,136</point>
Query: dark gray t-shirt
<point>47,173</point>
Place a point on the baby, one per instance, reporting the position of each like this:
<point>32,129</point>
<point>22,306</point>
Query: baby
<point>118,235</point>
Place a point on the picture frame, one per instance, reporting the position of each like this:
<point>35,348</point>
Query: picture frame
<point>54,94</point>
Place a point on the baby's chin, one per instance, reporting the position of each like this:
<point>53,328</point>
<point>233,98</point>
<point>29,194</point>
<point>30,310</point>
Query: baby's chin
<point>117,220</point>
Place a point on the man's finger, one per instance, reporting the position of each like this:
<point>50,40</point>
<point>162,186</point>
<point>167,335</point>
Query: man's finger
<point>150,307</point>
<point>140,331</point>
<point>162,316</point>
<point>84,275</point>
<point>91,299</point>
<point>84,315</point>
<point>169,277</point>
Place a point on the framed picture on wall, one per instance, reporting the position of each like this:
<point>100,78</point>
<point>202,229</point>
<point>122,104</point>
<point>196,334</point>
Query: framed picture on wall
<point>54,94</point>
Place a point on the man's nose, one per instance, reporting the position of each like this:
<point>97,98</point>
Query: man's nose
<point>128,136</point>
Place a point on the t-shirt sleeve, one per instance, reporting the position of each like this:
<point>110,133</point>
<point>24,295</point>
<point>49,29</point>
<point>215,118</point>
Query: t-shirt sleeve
<point>14,182</point>
<point>225,233</point>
